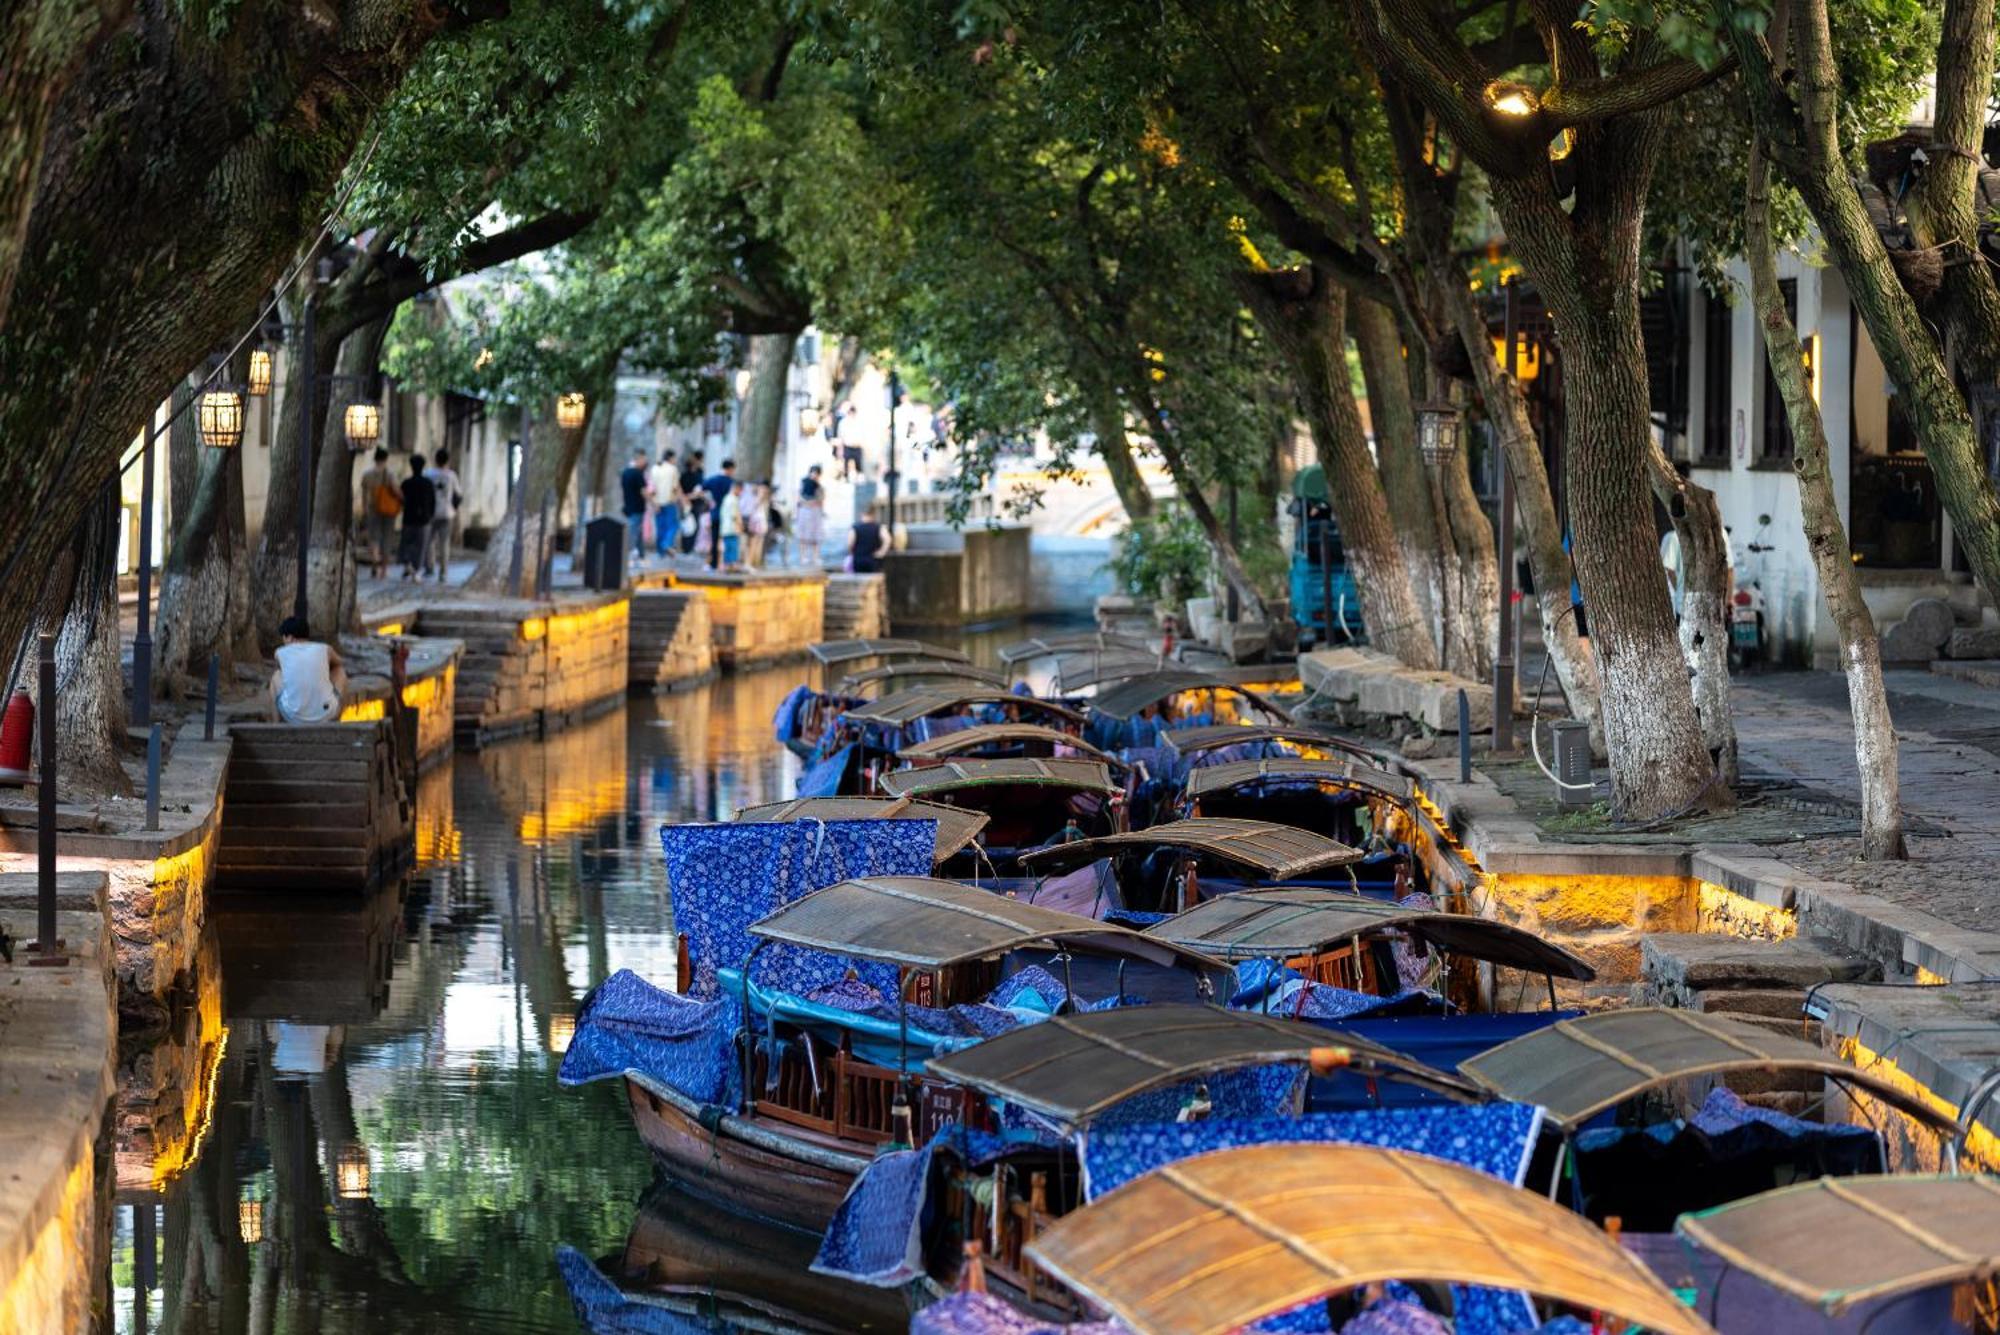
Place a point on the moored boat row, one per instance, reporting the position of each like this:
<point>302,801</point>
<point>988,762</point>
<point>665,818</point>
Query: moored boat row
<point>1019,981</point>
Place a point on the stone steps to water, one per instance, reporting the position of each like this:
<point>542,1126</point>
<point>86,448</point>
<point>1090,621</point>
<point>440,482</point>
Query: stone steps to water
<point>312,808</point>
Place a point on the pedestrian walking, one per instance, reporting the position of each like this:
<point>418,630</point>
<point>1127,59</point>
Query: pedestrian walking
<point>867,544</point>
<point>449,498</point>
<point>693,500</point>
<point>719,487</point>
<point>665,480</point>
<point>853,449</point>
<point>381,504</point>
<point>811,527</point>
<point>756,524</point>
<point>729,525</point>
<point>419,505</point>
<point>633,488</point>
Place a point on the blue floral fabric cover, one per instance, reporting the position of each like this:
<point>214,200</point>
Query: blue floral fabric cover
<point>785,723</point>
<point>602,1308</point>
<point>1497,1139</point>
<point>725,877</point>
<point>983,1314</point>
<point>876,1236</point>
<point>1266,985</point>
<point>627,1024</point>
<point>823,779</point>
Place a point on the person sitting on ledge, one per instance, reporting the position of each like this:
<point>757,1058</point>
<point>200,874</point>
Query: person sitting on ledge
<point>310,680</point>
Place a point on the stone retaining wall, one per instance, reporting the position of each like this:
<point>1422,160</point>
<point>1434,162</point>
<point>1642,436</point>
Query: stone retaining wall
<point>672,640</point>
<point>58,1032</point>
<point>529,665</point>
<point>762,616</point>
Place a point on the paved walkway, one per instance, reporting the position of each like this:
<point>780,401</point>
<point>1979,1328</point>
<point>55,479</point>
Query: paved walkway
<point>1796,726</point>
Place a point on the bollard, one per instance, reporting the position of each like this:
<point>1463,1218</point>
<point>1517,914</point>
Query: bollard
<point>48,948</point>
<point>1464,738</point>
<point>153,778</point>
<point>214,687</point>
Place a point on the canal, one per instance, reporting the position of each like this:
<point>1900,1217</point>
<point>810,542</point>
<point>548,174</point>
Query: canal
<point>355,1125</point>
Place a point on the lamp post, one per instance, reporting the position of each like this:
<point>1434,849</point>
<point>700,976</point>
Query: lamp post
<point>1503,658</point>
<point>142,638</point>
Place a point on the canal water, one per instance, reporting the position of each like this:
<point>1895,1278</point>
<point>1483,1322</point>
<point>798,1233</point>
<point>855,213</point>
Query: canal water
<point>355,1125</point>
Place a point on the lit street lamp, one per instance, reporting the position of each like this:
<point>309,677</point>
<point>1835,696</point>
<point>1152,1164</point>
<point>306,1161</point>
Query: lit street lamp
<point>363,424</point>
<point>219,418</point>
<point>570,411</point>
<point>1437,432</point>
<point>260,373</point>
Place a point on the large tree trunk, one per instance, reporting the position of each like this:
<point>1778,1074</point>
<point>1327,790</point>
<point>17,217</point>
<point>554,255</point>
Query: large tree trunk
<point>1804,140</point>
<point>146,246</point>
<point>1304,313</point>
<point>274,565</point>
<point>1586,263</point>
<point>78,603</point>
<point>1187,484</point>
<point>549,457</point>
<point>1860,649</point>
<point>1704,625</point>
<point>331,562</point>
<point>1541,532</point>
<point>1114,446</point>
<point>1413,501</point>
<point>763,419</point>
<point>205,581</point>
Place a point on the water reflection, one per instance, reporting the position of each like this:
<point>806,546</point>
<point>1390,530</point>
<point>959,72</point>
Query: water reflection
<point>362,1129</point>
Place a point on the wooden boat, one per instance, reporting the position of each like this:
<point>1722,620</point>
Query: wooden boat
<point>1341,796</point>
<point>1162,868</point>
<point>958,827</point>
<point>1345,940</point>
<point>1639,1060</point>
<point>999,741</point>
<point>902,672</point>
<point>1028,803</point>
<point>867,734</point>
<point>1074,642</point>
<point>792,1153</point>
<point>829,653</point>
<point>1306,742</point>
<point>1217,1242</point>
<point>1170,697</point>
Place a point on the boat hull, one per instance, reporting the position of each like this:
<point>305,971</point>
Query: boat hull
<point>738,1167</point>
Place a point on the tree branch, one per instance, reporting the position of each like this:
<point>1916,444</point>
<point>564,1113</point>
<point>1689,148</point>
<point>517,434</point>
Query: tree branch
<point>1599,98</point>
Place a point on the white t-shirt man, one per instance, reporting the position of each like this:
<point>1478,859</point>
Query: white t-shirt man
<point>446,482</point>
<point>305,692</point>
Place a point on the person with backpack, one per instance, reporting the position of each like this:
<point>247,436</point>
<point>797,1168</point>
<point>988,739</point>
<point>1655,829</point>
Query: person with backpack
<point>419,508</point>
<point>381,503</point>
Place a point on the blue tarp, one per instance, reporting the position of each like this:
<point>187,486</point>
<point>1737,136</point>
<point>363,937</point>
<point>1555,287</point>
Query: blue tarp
<point>1441,1042</point>
<point>827,773</point>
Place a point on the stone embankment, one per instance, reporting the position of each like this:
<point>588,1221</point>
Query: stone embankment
<point>58,1029</point>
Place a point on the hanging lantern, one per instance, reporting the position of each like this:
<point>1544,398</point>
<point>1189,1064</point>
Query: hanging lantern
<point>260,373</point>
<point>219,418</point>
<point>1437,431</point>
<point>562,1028</point>
<point>570,412</point>
<point>351,1172</point>
<point>364,425</point>
<point>1512,99</point>
<point>250,1220</point>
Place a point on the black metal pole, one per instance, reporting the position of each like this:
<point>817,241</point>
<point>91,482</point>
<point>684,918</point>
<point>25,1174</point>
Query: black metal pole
<point>142,639</point>
<point>47,950</point>
<point>1503,661</point>
<point>153,777</point>
<point>892,478</point>
<point>214,686</point>
<point>308,398</point>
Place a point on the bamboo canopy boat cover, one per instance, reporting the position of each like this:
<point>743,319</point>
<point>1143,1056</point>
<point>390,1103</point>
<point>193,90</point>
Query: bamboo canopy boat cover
<point>1000,734</point>
<point>1213,1243</point>
<point>1070,1068</point>
<point>1839,1241</point>
<point>1125,700</point>
<point>1278,923</point>
<point>906,707</point>
<point>1193,741</point>
<point>1274,852</point>
<point>846,651</point>
<point>1577,1068</point>
<point>957,775</point>
<point>1074,671</point>
<point>1082,641</point>
<point>920,667</point>
<point>924,923</point>
<point>957,826</point>
<point>1344,771</point>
